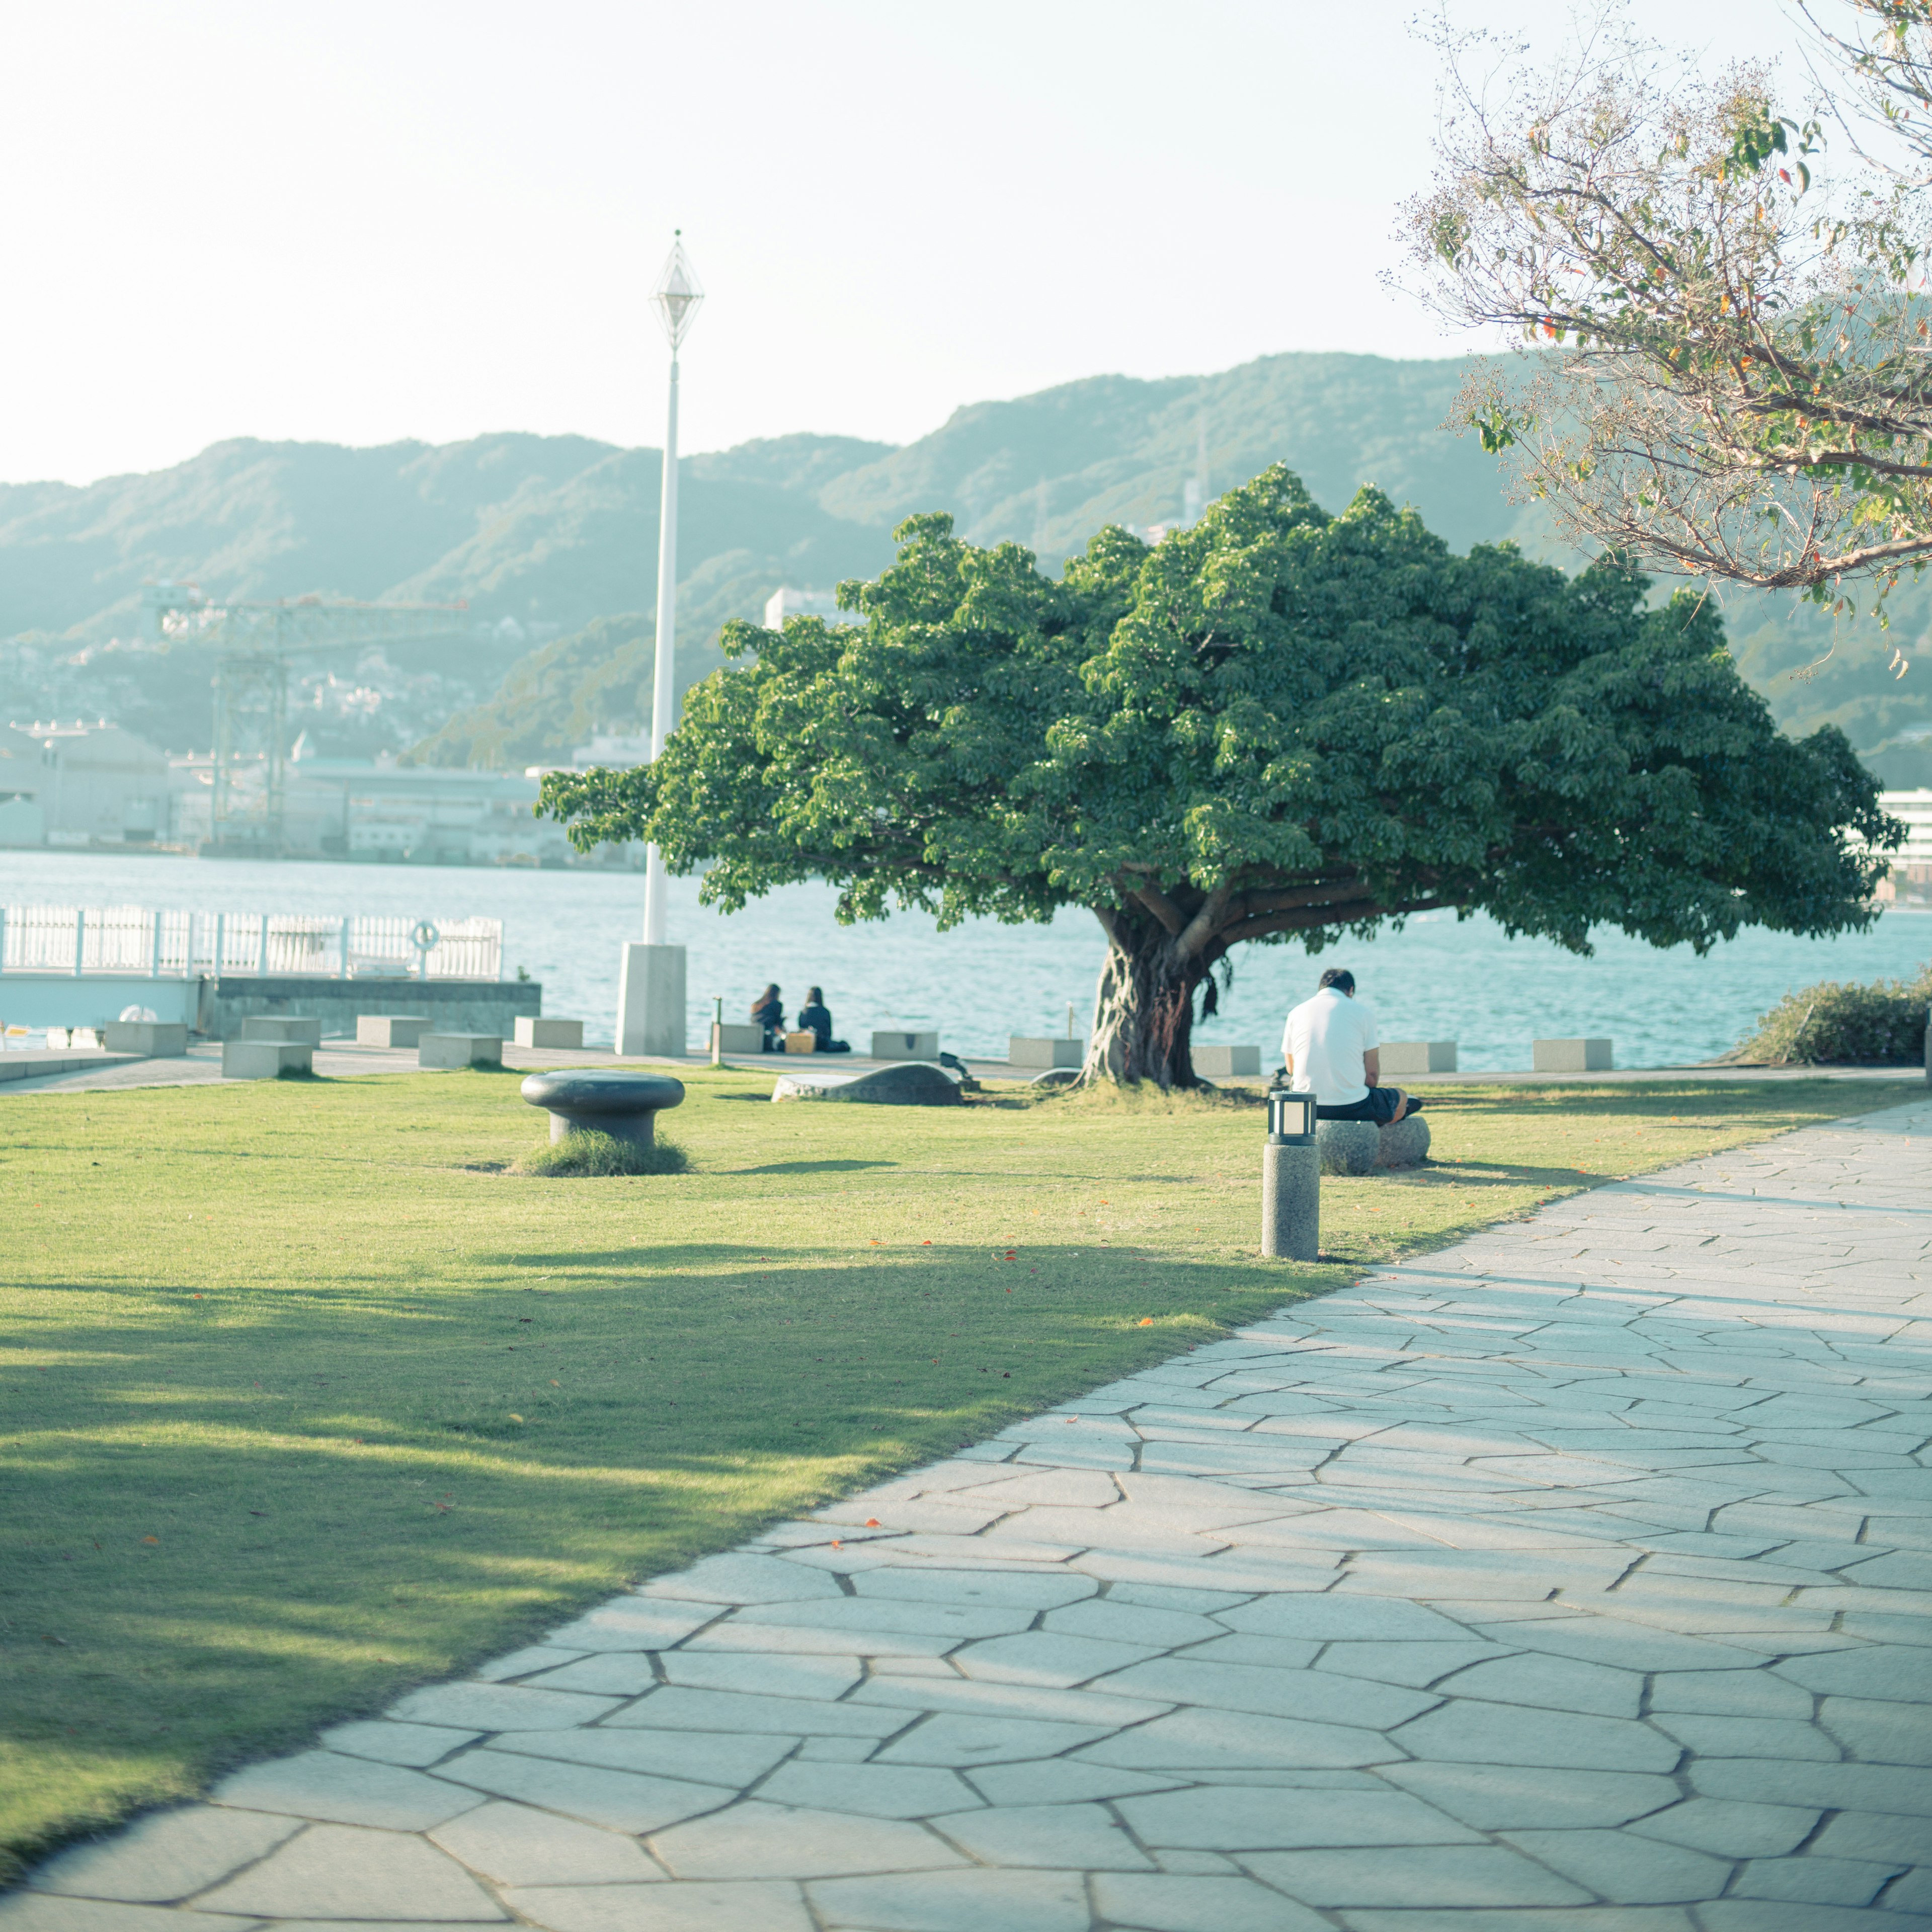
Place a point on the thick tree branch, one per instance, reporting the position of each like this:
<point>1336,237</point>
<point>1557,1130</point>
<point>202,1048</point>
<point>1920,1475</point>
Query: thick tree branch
<point>1200,928</point>
<point>1163,908</point>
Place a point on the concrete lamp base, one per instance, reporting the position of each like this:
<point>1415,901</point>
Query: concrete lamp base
<point>1292,1198</point>
<point>650,1002</point>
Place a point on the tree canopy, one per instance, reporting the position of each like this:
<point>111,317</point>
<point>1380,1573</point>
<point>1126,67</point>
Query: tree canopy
<point>1731,378</point>
<point>1277,722</point>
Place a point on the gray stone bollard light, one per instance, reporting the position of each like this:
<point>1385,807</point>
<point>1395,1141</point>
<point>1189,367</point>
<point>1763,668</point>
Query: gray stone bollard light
<point>1291,1179</point>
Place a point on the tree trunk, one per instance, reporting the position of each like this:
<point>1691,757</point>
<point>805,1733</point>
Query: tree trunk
<point>1144,1012</point>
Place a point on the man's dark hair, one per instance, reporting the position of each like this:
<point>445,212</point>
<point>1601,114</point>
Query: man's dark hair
<point>1339,976</point>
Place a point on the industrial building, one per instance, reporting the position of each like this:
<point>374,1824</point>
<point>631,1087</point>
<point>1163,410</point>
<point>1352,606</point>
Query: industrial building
<point>1909,882</point>
<point>80,784</point>
<point>97,787</point>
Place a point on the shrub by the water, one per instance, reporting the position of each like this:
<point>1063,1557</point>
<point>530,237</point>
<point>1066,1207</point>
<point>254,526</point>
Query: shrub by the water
<point>588,1154</point>
<point>1882,1024</point>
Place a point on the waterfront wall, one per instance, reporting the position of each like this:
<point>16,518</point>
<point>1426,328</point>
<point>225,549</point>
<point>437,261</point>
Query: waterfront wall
<point>452,1006</point>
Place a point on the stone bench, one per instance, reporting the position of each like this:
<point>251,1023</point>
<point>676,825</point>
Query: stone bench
<point>1570,1056</point>
<point>1021,1051</point>
<point>390,1030</point>
<point>1226,1063</point>
<point>448,1050</point>
<point>1360,1147</point>
<point>284,1029</point>
<point>153,1039</point>
<point>905,1046</point>
<point>736,1037</point>
<point>917,1084</point>
<point>1411,1057</point>
<point>608,1100</point>
<point>567,1034</point>
<point>265,1059</point>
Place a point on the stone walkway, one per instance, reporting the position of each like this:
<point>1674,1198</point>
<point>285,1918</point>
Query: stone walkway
<point>1577,1578</point>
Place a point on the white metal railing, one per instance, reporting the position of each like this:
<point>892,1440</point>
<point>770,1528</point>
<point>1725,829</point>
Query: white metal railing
<point>161,944</point>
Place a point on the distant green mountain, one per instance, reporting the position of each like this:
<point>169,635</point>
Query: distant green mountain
<point>540,535</point>
<point>1049,470</point>
<point>552,542</point>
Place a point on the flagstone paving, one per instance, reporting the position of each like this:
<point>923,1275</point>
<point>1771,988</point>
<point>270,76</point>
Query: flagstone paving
<point>1577,1577</point>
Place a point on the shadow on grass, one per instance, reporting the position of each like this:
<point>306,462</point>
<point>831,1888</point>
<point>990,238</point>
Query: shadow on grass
<point>222,1534</point>
<point>812,1167</point>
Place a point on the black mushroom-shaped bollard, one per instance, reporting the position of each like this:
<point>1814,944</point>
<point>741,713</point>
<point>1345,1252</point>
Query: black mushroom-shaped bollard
<point>620,1104</point>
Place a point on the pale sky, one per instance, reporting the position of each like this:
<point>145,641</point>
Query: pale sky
<point>357,223</point>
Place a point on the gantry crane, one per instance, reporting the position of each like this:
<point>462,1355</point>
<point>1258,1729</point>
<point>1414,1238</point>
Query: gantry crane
<point>253,643</point>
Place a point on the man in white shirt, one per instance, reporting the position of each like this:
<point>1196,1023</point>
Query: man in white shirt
<point>1334,1051</point>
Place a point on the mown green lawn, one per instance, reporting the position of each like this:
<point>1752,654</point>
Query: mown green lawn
<point>308,1399</point>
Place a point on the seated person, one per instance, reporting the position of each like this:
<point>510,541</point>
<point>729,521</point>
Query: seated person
<point>813,1017</point>
<point>1334,1051</point>
<point>768,1012</point>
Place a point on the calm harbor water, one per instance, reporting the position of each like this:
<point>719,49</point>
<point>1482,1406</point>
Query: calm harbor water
<point>1437,979</point>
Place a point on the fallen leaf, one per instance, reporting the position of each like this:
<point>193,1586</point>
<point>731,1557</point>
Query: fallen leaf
<point>515,1418</point>
<point>926,1244</point>
<point>554,1383</point>
<point>1145,1321</point>
<point>48,1636</point>
<point>151,1539</point>
<point>872,1522</point>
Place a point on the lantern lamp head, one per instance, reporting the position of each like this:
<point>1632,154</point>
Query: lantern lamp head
<point>1291,1114</point>
<point>678,294</point>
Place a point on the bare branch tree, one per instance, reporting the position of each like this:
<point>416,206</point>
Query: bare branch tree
<point>1726,370</point>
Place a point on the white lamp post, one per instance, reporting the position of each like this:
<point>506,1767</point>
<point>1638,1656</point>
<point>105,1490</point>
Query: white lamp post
<point>650,1000</point>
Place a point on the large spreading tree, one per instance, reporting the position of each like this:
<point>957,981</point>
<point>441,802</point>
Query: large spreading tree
<point>1278,724</point>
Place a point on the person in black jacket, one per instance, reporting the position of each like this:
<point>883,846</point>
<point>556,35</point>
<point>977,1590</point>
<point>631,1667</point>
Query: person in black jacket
<point>767,1012</point>
<point>814,1017</point>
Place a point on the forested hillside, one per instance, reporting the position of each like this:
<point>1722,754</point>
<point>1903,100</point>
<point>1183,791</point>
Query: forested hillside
<point>551,541</point>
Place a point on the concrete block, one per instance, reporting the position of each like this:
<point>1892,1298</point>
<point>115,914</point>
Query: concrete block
<point>1226,1062</point>
<point>650,1001</point>
<point>1022,1051</point>
<point>460,1049</point>
<point>1418,1056</point>
<point>391,1029</point>
<point>740,1036</point>
<point>1571,1056</point>
<point>1348,1147</point>
<point>157,1039</point>
<point>289,1029</point>
<point>568,1034</point>
<point>265,1059</point>
<point>1405,1143</point>
<point>905,1046</point>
